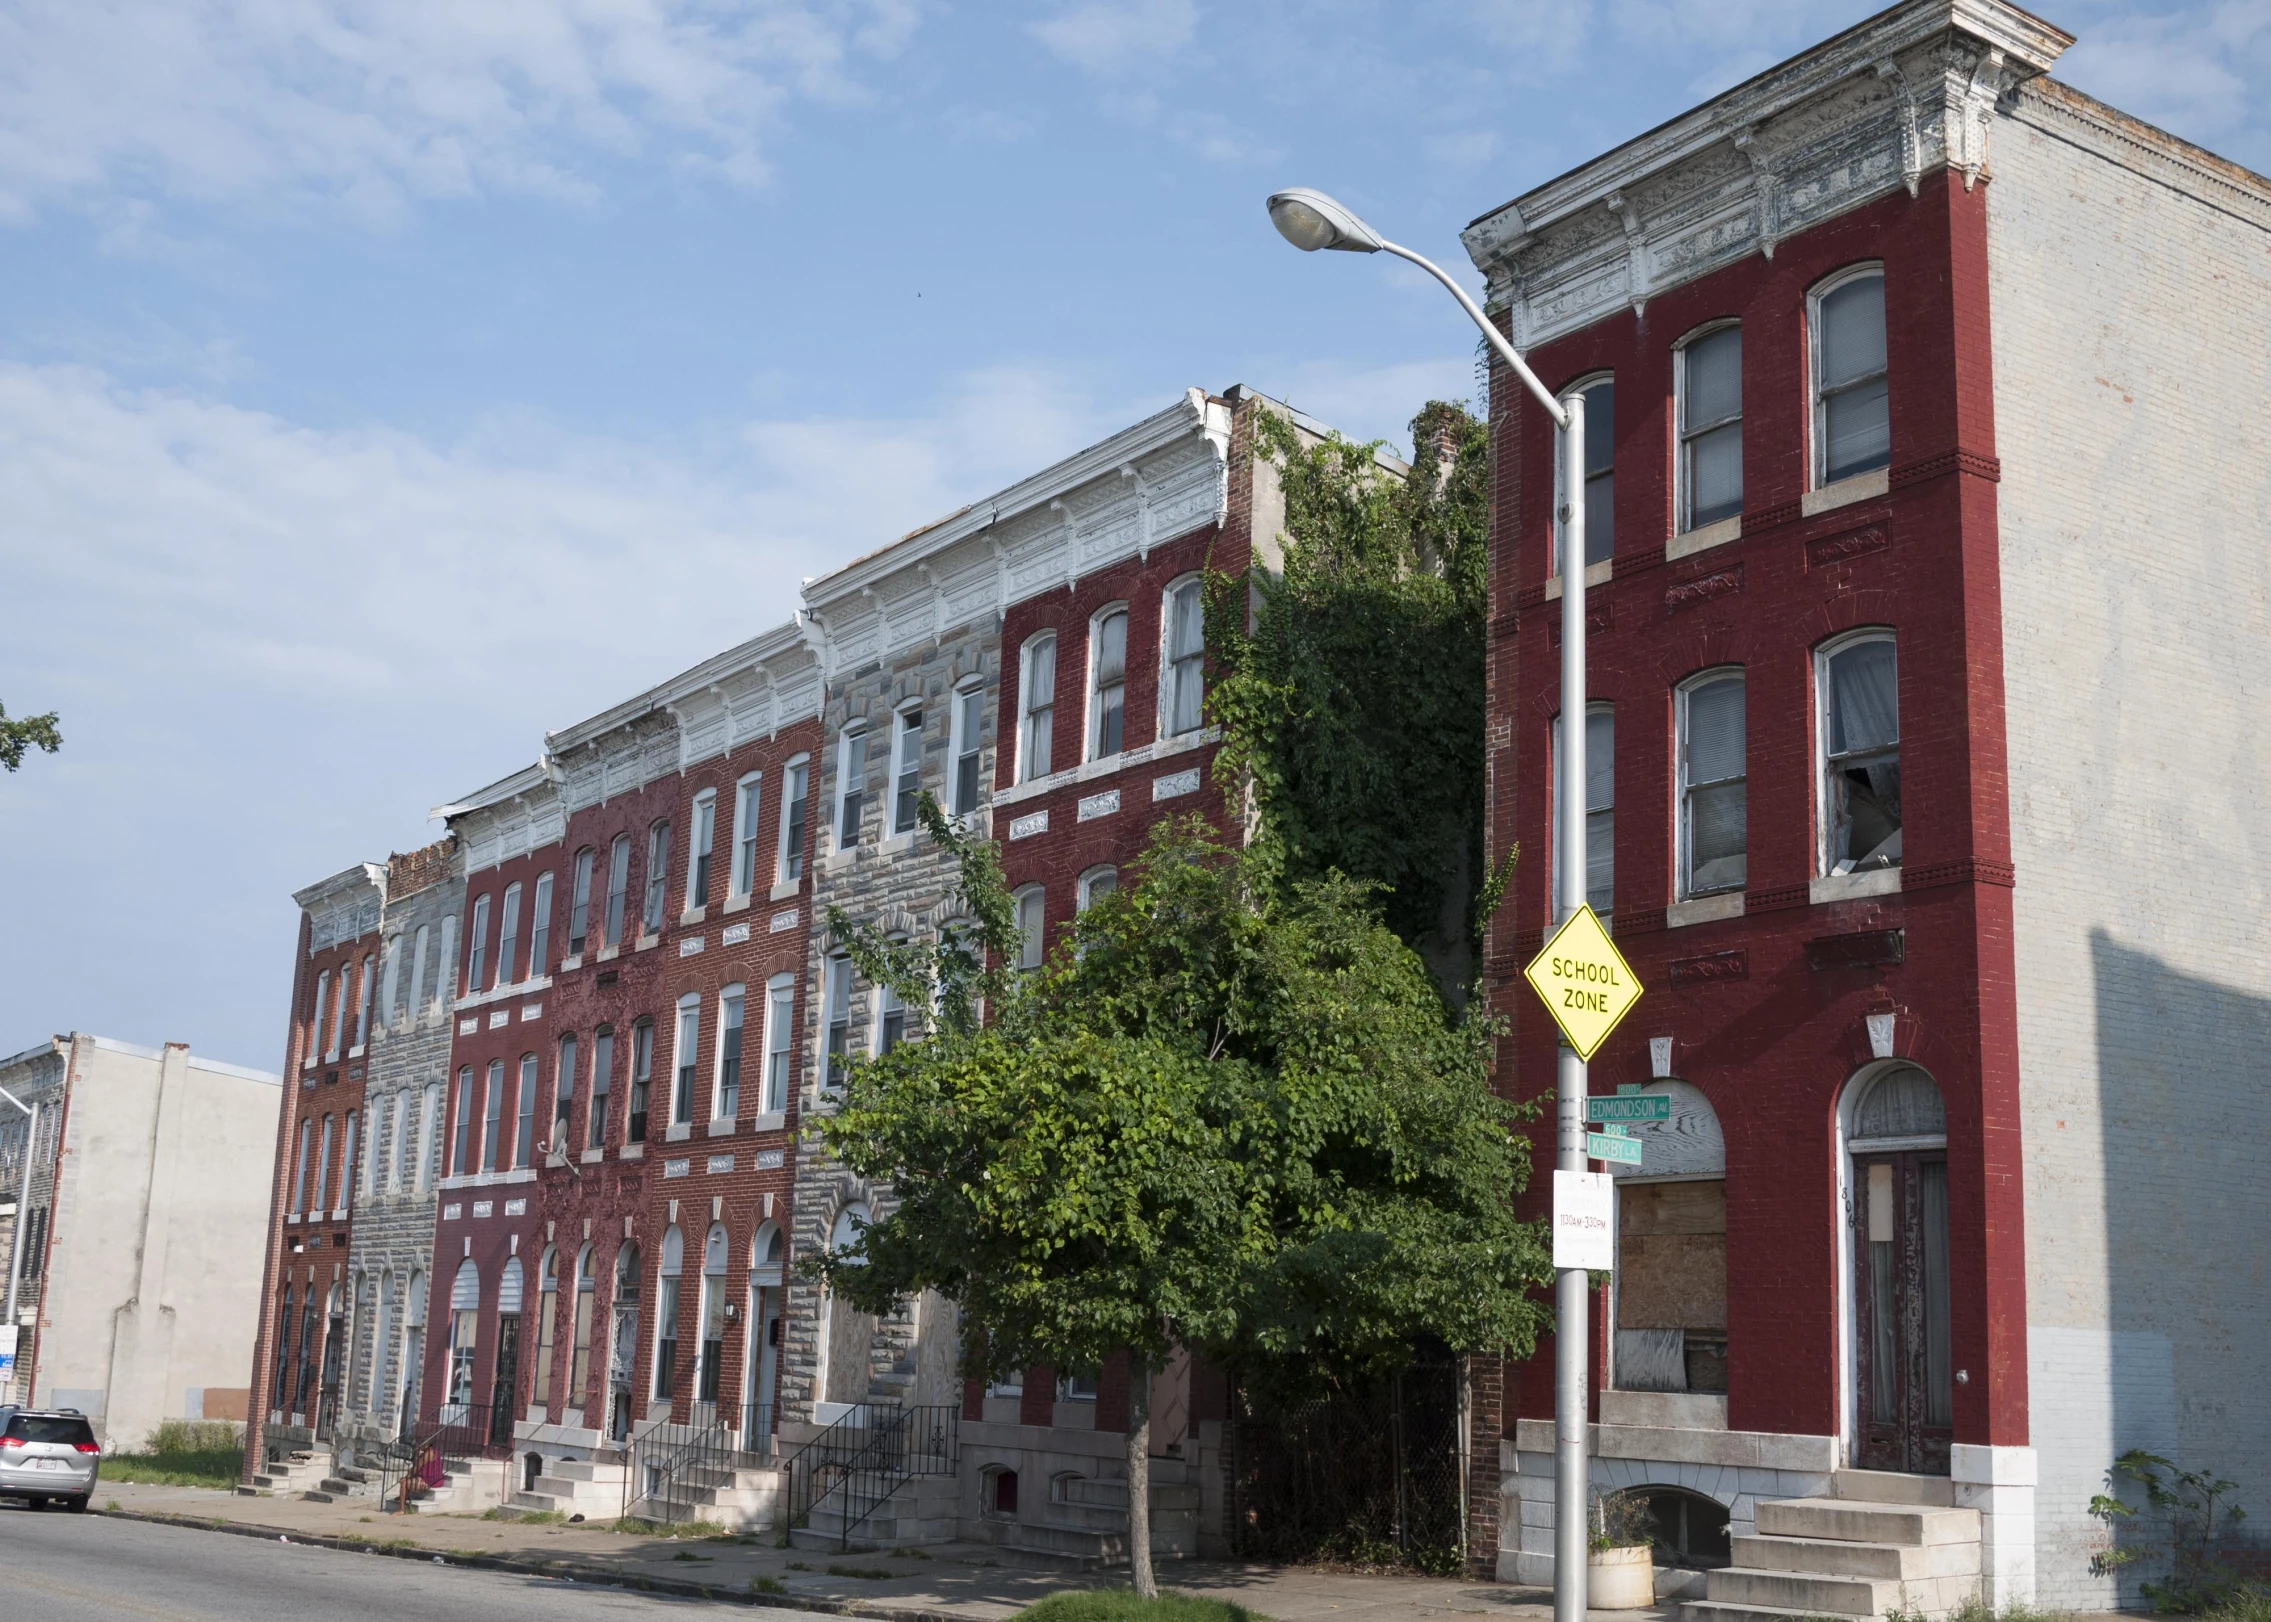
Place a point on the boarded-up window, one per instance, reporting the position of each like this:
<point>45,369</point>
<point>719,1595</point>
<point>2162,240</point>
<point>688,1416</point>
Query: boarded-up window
<point>1671,1305</point>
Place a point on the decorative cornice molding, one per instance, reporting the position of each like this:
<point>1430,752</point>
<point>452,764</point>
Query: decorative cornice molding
<point>1878,107</point>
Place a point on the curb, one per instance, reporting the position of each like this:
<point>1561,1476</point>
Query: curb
<point>562,1567</point>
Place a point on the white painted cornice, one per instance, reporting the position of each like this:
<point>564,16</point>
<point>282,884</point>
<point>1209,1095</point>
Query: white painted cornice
<point>1908,91</point>
<point>1122,496</point>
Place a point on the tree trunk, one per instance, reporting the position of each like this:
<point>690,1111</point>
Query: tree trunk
<point>1139,1480</point>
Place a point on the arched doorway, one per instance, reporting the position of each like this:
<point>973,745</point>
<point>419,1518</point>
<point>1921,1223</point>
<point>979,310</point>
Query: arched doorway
<point>762,1383</point>
<point>1669,1300</point>
<point>1901,1371</point>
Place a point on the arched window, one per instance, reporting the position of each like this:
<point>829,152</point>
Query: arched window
<point>1901,1108</point>
<point>844,1234</point>
<point>363,1003</point>
<point>618,888</point>
<point>524,1118</point>
<point>464,1328</point>
<point>579,902</point>
<point>966,736</point>
<point>780,1038</point>
<point>1036,707</point>
<point>1107,682</point>
<point>508,936</point>
<point>765,1253</point>
<point>493,1118</point>
<point>733,1004</point>
<point>1710,407</point>
<point>851,783</point>
<point>477,948</point>
<point>1857,698</point>
<point>710,1356</point>
<point>666,1313</point>
<point>658,866</point>
<point>701,841</point>
<point>747,794</point>
<point>1032,939</point>
<point>579,1355</point>
<point>1852,417</point>
<point>906,767</point>
<point>547,1321</point>
<point>1182,690</point>
<point>687,1041</point>
<point>1670,1305</point>
<point>1097,883</point>
<point>1713,830</point>
<point>540,927</point>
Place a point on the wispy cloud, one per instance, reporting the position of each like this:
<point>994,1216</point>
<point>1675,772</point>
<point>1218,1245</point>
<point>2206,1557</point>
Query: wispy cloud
<point>367,108</point>
<point>2199,71</point>
<point>1114,38</point>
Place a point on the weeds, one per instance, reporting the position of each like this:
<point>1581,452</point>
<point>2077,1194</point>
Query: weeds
<point>2183,1507</point>
<point>767,1585</point>
<point>867,1574</point>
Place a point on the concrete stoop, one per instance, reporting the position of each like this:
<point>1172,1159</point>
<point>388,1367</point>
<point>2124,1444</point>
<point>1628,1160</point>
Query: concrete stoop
<point>348,1479</point>
<point>592,1488</point>
<point>1879,1543</point>
<point>467,1487</point>
<point>300,1471</point>
<point>741,1497</point>
<point>921,1509</point>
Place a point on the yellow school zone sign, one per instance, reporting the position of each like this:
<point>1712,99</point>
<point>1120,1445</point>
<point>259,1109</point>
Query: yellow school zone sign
<point>1585,981</point>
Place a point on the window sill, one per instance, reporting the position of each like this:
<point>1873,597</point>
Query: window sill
<point>646,943</point>
<point>781,892</point>
<point>837,860</point>
<point>608,954</point>
<point>504,993</point>
<point>693,915</point>
<point>631,1151</point>
<point>678,1132</point>
<point>771,1120</point>
<point>1088,771</point>
<point>1704,538</point>
<point>570,963</point>
<point>1596,574</point>
<point>1853,886</point>
<point>722,1127</point>
<point>355,1052</point>
<point>1708,909</point>
<point>894,844</point>
<point>1845,492</point>
<point>735,903</point>
<point>591,1155</point>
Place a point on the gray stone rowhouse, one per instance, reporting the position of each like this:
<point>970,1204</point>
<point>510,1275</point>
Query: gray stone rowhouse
<point>390,1244</point>
<point>916,625</point>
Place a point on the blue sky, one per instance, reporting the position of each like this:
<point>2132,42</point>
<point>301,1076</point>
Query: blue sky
<point>383,383</point>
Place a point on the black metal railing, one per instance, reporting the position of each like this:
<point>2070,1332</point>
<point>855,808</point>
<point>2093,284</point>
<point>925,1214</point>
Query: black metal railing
<point>669,1464</point>
<point>757,1421</point>
<point>851,1469</point>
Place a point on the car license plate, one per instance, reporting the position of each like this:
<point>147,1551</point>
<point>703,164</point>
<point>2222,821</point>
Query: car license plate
<point>50,1464</point>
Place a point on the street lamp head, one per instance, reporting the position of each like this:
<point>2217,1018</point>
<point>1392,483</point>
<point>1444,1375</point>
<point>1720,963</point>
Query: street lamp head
<point>1310,220</point>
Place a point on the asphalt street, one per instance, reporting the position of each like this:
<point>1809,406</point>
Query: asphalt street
<point>63,1568</point>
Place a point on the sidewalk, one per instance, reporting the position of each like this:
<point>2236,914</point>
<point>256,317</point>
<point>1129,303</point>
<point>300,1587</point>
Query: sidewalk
<point>955,1582</point>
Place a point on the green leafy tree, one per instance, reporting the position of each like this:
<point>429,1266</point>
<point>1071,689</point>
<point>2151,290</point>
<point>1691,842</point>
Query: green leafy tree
<point>1354,699</point>
<point>1228,1114</point>
<point>33,731</point>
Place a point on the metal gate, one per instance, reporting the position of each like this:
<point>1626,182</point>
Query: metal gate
<point>1369,1475</point>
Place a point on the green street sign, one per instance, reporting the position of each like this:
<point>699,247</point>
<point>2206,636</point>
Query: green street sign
<point>1600,1146</point>
<point>1629,1107</point>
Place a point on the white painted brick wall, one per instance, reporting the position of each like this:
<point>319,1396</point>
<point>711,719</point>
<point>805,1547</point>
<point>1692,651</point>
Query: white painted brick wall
<point>2133,373</point>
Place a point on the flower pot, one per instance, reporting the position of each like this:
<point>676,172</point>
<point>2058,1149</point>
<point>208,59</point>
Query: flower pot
<point>1620,1579</point>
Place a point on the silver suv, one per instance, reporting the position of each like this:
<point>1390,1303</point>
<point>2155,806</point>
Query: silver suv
<point>48,1456</point>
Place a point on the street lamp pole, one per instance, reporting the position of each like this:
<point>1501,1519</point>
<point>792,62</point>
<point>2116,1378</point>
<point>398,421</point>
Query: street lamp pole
<point>1310,220</point>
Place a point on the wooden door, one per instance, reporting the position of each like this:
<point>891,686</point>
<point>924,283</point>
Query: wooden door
<point>1904,1386</point>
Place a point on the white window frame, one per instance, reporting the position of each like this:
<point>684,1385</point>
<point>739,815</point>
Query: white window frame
<point>684,1054</point>
<point>835,1010</point>
<point>748,809</point>
<point>1824,859</point>
<point>1033,943</point>
<point>851,743</point>
<point>579,901</point>
<point>1817,413</point>
<point>1584,385</point>
<point>906,761</point>
<point>363,1002</point>
<point>701,842</point>
<point>1169,675</point>
<point>1088,882</point>
<point>653,908</point>
<point>780,1042</point>
<point>1684,784</point>
<point>1683,478</point>
<point>508,936</point>
<point>881,1006</point>
<point>1028,657</point>
<point>963,743</point>
<point>390,982</point>
<point>728,999</point>
<point>539,924</point>
<point>1593,707</point>
<point>1092,741</point>
<point>477,952</point>
<point>796,790</point>
<point>617,913</point>
<point>315,1020</point>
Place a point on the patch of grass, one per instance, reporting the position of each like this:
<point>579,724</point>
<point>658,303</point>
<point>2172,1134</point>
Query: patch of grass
<point>767,1585</point>
<point>798,1565</point>
<point>870,1574</point>
<point>2242,1605</point>
<point>217,1467</point>
<point>689,1554</point>
<point>112,1503</point>
<point>1121,1605</point>
<point>910,1554</point>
